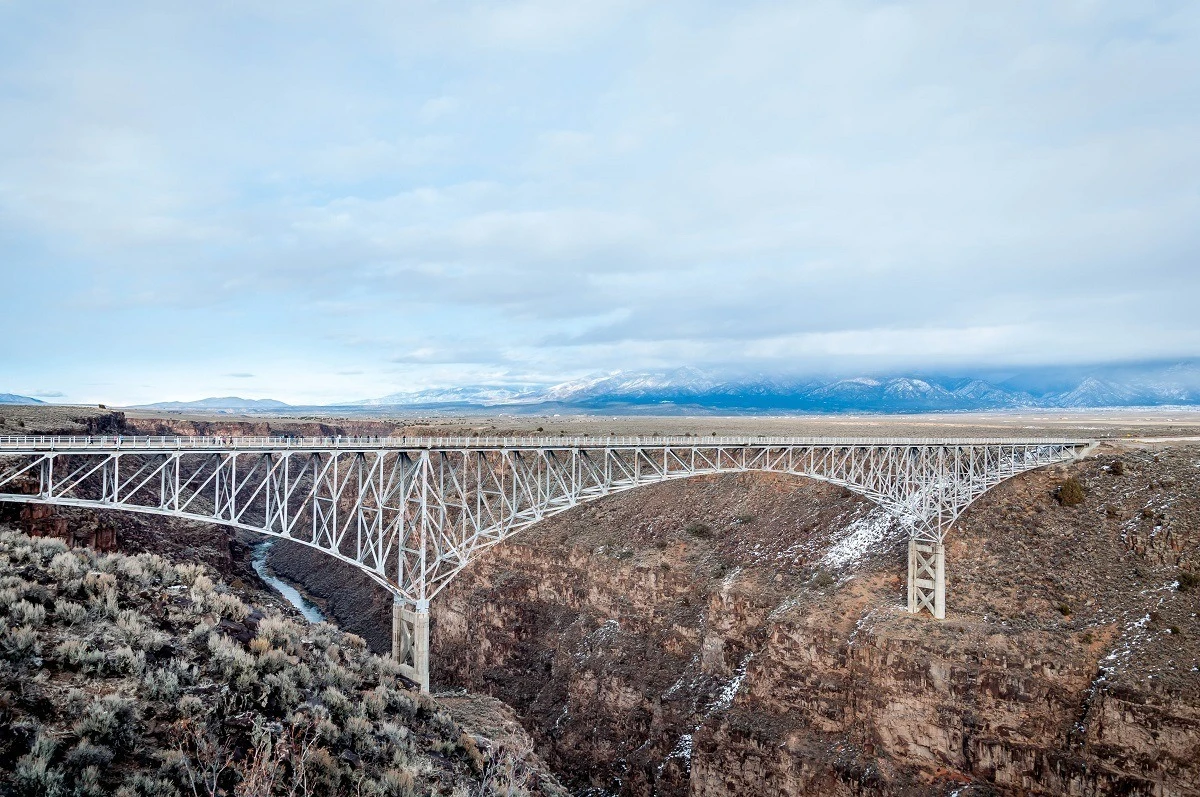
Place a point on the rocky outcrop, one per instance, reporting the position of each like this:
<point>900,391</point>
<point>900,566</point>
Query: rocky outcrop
<point>746,635</point>
<point>40,520</point>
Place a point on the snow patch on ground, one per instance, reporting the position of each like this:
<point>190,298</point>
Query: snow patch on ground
<point>682,751</point>
<point>858,540</point>
<point>729,692</point>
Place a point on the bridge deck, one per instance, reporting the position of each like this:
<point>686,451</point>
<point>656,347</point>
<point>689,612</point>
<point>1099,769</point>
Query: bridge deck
<point>181,443</point>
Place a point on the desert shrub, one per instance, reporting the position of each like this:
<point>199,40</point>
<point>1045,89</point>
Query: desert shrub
<point>65,566</point>
<point>698,530</point>
<point>337,703</point>
<point>401,703</point>
<point>49,547</point>
<point>85,755</point>
<point>279,692</point>
<point>69,612</point>
<point>129,623</point>
<point>34,775</point>
<point>21,642</point>
<point>200,633</point>
<point>132,569</point>
<point>191,706</point>
<point>108,721</point>
<point>8,597</point>
<point>280,632</point>
<point>76,655</point>
<point>143,785</point>
<point>189,572</point>
<point>1064,609</point>
<point>1188,580</point>
<point>87,784</point>
<point>397,735</point>
<point>1117,468</point>
<point>378,668</point>
<point>124,660</point>
<point>339,676</point>
<point>374,703</point>
<point>227,605</point>
<point>1070,492</point>
<point>272,660</point>
<point>467,744</point>
<point>232,662</point>
<point>398,782</point>
<point>96,582</point>
<point>161,684</point>
<point>27,613</point>
<point>322,768</point>
<point>823,579</point>
<point>108,562</point>
<point>357,732</point>
<point>202,589</point>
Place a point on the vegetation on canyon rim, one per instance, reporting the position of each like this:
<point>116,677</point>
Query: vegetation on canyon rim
<point>133,676</point>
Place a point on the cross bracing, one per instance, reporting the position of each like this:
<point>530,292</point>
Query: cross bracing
<point>412,512</point>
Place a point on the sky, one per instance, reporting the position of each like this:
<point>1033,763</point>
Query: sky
<point>321,202</point>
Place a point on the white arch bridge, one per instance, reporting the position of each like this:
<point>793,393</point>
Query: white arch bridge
<point>411,512</point>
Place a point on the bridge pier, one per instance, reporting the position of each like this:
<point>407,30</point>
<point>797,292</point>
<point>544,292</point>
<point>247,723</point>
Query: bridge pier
<point>927,577</point>
<point>410,640</point>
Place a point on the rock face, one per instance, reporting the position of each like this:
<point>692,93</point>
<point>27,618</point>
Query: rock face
<point>40,520</point>
<point>746,635</point>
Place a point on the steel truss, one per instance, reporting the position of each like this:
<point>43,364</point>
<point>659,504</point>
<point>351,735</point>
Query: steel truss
<point>411,513</point>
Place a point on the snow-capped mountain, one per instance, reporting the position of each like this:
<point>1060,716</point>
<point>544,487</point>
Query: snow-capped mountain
<point>652,386</point>
<point>481,395</point>
<point>685,389</point>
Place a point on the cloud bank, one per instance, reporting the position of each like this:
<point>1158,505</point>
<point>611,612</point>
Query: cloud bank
<point>314,203</point>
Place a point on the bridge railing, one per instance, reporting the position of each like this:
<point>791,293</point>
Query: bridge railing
<point>275,443</point>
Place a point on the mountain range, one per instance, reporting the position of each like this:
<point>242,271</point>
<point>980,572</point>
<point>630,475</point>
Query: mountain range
<point>1154,384</point>
<point>13,398</point>
<point>691,389</point>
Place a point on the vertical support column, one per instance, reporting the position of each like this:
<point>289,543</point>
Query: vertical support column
<point>410,640</point>
<point>912,575</point>
<point>421,644</point>
<point>926,577</point>
<point>939,582</point>
<point>401,644</point>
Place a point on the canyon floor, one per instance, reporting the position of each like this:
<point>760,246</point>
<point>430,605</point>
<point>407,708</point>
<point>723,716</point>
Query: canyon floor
<point>746,634</point>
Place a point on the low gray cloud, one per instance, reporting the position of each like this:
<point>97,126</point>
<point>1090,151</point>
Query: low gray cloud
<point>390,197</point>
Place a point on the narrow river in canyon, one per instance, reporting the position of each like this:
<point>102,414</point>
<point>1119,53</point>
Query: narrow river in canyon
<point>259,561</point>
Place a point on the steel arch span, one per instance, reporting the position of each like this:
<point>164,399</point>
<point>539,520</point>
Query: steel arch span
<point>411,512</point>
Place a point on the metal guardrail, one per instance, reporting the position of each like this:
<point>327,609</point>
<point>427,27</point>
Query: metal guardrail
<point>151,443</point>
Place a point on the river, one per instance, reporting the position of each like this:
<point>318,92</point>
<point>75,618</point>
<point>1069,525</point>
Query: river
<point>259,561</point>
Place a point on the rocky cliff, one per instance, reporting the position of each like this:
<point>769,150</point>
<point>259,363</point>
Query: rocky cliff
<point>746,635</point>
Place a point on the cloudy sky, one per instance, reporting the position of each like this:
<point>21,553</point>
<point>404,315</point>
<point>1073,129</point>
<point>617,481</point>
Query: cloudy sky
<point>312,203</point>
